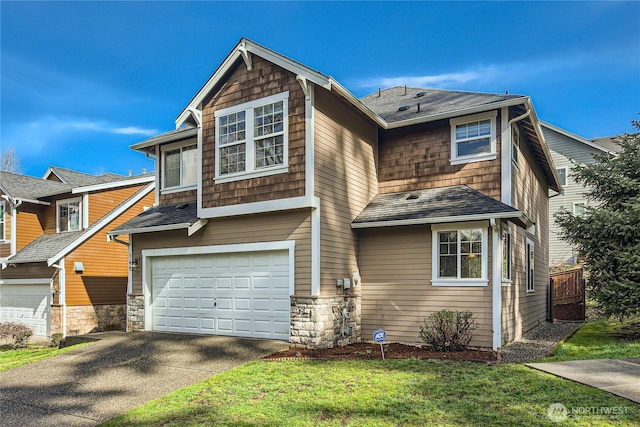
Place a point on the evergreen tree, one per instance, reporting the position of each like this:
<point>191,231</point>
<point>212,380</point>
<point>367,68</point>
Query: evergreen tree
<point>607,236</point>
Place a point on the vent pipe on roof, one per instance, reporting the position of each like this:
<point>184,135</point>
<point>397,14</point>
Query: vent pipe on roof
<point>405,90</point>
<point>379,92</point>
<point>418,107</point>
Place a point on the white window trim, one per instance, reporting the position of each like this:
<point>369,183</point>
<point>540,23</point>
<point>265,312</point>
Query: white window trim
<point>515,147</point>
<point>80,214</point>
<point>507,281</point>
<point>584,207</point>
<point>250,171</point>
<point>566,176</point>
<point>530,284</point>
<point>4,221</point>
<point>457,160</point>
<point>435,258</point>
<point>175,146</point>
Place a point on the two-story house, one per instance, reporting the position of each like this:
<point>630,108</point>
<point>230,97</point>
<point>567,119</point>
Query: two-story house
<point>59,273</point>
<point>567,150</point>
<point>289,209</point>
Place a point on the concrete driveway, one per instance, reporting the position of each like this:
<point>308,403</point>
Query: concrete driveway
<point>121,371</point>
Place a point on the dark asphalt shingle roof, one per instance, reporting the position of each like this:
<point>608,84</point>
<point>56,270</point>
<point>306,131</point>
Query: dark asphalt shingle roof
<point>445,202</point>
<point>432,101</point>
<point>80,179</point>
<point>609,143</point>
<point>180,213</point>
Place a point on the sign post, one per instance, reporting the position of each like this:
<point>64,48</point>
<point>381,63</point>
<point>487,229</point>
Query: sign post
<point>379,335</point>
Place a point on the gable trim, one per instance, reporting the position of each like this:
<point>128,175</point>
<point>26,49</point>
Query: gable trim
<point>116,184</point>
<point>101,224</point>
<point>577,138</point>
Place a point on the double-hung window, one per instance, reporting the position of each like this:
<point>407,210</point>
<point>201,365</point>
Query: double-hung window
<point>515,145</point>
<point>180,166</point>
<point>562,174</point>
<point>473,138</point>
<point>251,139</point>
<point>2,220</point>
<point>579,209</point>
<point>506,256</point>
<point>530,266</point>
<point>69,215</point>
<point>459,255</point>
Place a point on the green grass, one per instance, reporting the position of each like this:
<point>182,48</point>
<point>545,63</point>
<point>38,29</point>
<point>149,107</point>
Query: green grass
<point>378,393</point>
<point>14,358</point>
<point>602,339</point>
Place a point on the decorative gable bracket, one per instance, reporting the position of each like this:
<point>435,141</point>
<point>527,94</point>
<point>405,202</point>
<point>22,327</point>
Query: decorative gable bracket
<point>305,85</point>
<point>246,56</point>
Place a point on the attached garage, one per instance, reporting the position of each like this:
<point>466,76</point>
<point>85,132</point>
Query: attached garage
<point>28,303</point>
<point>244,293</point>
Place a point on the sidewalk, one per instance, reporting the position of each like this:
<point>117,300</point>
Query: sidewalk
<point>616,376</point>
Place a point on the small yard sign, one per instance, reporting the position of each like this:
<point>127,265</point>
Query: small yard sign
<point>379,335</point>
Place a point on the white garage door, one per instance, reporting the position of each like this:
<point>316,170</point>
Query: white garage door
<point>239,294</point>
<point>26,304</point>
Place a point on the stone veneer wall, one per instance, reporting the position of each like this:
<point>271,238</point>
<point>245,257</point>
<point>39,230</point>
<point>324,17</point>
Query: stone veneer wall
<point>320,322</point>
<point>135,313</point>
<point>56,319</point>
<point>83,319</point>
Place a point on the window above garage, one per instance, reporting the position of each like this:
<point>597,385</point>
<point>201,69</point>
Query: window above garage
<point>252,139</point>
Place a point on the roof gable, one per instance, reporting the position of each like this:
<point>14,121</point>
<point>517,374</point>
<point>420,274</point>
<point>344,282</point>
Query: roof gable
<point>606,145</point>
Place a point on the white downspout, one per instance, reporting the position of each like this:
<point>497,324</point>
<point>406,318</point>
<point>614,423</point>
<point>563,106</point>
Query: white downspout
<point>496,292</point>
<point>62,293</point>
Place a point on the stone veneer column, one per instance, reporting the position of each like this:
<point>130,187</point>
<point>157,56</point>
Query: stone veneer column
<point>56,319</point>
<point>325,322</point>
<point>135,313</point>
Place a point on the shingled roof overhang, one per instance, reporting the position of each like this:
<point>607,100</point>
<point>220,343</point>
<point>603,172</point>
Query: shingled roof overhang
<point>163,218</point>
<point>458,203</point>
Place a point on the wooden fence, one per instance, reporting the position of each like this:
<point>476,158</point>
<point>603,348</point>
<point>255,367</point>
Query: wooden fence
<point>567,295</point>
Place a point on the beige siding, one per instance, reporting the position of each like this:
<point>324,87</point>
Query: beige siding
<point>395,265</point>
<point>345,151</point>
<point>418,157</point>
<point>292,225</point>
<point>522,311</point>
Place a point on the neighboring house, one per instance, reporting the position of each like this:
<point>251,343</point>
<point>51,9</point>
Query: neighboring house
<point>59,273</point>
<point>289,209</point>
<point>567,150</point>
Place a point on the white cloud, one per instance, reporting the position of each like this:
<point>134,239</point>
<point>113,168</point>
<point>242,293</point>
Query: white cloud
<point>133,130</point>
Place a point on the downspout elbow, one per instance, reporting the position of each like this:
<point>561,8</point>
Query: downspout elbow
<point>520,117</point>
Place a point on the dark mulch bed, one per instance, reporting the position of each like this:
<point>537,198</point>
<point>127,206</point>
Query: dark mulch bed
<point>395,351</point>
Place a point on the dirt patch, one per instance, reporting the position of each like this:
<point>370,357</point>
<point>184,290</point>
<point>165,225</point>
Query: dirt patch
<point>367,351</point>
<point>630,332</point>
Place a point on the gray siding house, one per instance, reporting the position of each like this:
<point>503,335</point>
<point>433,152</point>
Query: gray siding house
<point>568,149</point>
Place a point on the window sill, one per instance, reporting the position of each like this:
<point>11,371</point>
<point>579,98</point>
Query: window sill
<point>178,189</point>
<point>254,174</point>
<point>459,282</point>
<point>507,283</point>
<point>482,158</point>
<point>531,292</point>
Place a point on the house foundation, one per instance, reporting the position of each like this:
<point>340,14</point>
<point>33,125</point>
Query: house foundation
<point>325,322</point>
<point>83,319</point>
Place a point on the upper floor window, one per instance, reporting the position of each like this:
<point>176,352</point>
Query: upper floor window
<point>69,215</point>
<point>251,138</point>
<point>562,174</point>
<point>473,138</point>
<point>506,255</point>
<point>515,145</point>
<point>460,256</point>
<point>2,221</point>
<point>530,266</point>
<point>180,166</point>
<point>578,208</point>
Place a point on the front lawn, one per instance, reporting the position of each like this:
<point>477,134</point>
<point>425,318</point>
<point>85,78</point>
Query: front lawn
<point>379,393</point>
<point>602,339</point>
<point>13,358</point>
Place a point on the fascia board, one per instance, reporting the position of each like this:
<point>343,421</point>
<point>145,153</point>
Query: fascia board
<point>547,154</point>
<point>456,113</point>
<point>577,137</point>
<point>35,202</point>
<point>116,184</point>
<point>169,227</point>
<point>254,48</point>
<point>445,219</point>
<point>140,146</point>
<point>101,224</point>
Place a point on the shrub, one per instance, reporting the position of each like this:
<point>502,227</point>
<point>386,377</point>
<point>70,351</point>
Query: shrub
<point>55,340</point>
<point>447,330</point>
<point>19,333</point>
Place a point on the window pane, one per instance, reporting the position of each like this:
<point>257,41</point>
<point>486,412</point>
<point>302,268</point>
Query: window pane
<point>189,165</point>
<point>562,174</point>
<point>172,168</point>
<point>471,253</point>
<point>471,266</point>
<point>478,146</point>
<point>74,216</point>
<point>448,266</point>
<point>232,159</point>
<point>448,245</point>
<point>578,209</point>
<point>270,151</point>
<point>63,217</point>
<point>268,119</point>
<point>232,128</point>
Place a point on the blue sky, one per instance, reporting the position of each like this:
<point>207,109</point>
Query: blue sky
<point>82,81</point>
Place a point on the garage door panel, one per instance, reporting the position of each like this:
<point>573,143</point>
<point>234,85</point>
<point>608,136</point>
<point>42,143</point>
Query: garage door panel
<point>244,294</point>
<point>28,304</point>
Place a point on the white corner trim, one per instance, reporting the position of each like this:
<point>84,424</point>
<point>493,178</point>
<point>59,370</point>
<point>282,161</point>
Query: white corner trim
<point>496,291</point>
<point>316,220</point>
<point>85,211</point>
<point>101,224</point>
<point>150,177</point>
<point>505,164</point>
